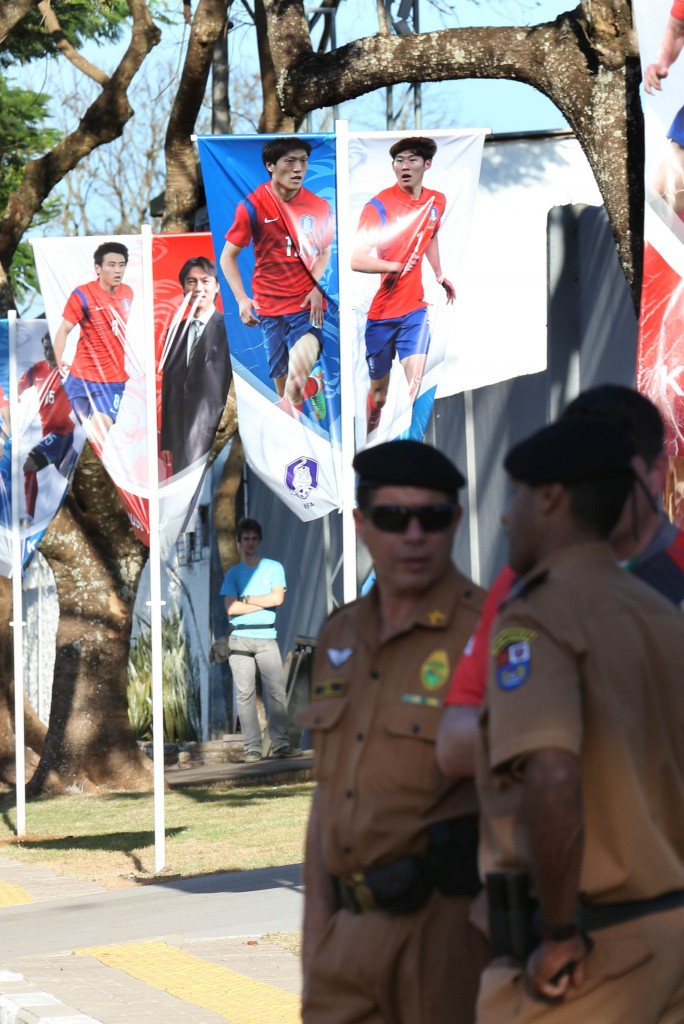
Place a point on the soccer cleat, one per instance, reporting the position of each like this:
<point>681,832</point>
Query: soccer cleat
<point>373,414</point>
<point>317,395</point>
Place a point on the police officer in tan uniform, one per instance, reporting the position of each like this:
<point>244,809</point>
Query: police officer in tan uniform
<point>390,866</point>
<point>581,773</point>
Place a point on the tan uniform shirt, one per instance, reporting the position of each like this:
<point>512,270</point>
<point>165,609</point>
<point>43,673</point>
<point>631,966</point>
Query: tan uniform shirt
<point>374,716</point>
<point>590,660</point>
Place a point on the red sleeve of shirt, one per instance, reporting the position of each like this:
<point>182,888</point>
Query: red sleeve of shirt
<point>25,381</point>
<point>240,231</point>
<point>369,222</point>
<point>469,680</point>
<point>677,11</point>
<point>73,311</point>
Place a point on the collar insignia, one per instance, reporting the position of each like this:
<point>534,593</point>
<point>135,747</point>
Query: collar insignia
<point>338,656</point>
<point>435,617</point>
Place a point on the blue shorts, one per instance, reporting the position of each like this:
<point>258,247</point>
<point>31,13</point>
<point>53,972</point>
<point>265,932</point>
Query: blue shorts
<point>88,397</point>
<point>52,449</point>
<point>676,132</point>
<point>404,335</point>
<point>281,333</point>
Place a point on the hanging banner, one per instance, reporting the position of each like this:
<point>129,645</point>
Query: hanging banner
<point>46,432</point>
<point>271,202</point>
<point>94,295</point>
<point>412,196</point>
<point>660,368</point>
<point>193,369</point>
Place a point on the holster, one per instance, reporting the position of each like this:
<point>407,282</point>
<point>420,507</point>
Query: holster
<point>511,914</point>
<point>450,865</point>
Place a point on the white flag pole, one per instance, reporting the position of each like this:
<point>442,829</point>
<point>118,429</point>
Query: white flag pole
<point>17,595</point>
<point>155,602</point>
<point>346,363</point>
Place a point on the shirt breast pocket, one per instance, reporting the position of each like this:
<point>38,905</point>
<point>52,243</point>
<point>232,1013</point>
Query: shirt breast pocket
<point>411,733</point>
<point>325,720</point>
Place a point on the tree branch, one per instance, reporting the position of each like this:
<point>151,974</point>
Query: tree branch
<point>12,12</point>
<point>64,46</point>
<point>586,62</point>
<point>103,121</point>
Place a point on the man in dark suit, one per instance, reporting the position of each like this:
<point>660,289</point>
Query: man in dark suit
<point>196,370</point>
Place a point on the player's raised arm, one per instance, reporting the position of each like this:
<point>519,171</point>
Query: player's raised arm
<point>229,266</point>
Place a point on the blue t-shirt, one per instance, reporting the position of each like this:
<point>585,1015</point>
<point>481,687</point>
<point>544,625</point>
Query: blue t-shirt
<point>254,581</point>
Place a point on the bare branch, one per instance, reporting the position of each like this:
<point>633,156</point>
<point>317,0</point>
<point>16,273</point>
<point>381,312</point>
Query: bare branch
<point>103,121</point>
<point>64,46</point>
<point>383,18</point>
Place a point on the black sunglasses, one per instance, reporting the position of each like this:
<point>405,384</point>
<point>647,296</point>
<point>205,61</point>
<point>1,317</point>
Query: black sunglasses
<point>396,518</point>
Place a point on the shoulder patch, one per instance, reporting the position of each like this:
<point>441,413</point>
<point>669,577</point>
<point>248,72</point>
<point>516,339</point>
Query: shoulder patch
<point>512,635</point>
<point>329,688</point>
<point>435,670</point>
<point>511,649</point>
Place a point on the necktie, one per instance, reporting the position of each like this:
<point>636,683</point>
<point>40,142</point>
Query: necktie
<point>197,329</point>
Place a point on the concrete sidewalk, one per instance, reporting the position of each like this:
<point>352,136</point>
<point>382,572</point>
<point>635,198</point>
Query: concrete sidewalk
<point>184,952</point>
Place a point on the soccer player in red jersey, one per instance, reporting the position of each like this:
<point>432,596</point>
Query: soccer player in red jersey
<point>97,376</point>
<point>56,447</point>
<point>397,228</point>
<point>291,230</point>
<point>668,180</point>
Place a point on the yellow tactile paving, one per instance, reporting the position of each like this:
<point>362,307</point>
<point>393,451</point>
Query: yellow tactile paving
<point>12,895</point>
<point>232,996</point>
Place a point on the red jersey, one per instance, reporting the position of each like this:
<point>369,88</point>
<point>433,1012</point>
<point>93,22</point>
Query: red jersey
<point>469,680</point>
<point>53,404</point>
<point>677,11</point>
<point>396,225</point>
<point>287,237</point>
<point>100,355</point>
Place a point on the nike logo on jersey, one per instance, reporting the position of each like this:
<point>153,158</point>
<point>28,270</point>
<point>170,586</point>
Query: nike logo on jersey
<point>270,220</point>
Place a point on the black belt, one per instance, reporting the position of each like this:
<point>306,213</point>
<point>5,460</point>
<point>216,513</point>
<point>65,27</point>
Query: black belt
<point>450,865</point>
<point>603,915</point>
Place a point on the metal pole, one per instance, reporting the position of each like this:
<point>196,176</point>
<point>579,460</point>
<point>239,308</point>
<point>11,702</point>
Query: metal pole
<point>155,602</point>
<point>346,365</point>
<point>17,595</point>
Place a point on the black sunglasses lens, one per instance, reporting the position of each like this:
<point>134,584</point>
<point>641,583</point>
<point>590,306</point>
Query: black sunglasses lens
<point>396,518</point>
<point>390,518</point>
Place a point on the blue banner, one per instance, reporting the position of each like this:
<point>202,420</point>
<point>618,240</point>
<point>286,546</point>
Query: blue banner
<point>272,210</point>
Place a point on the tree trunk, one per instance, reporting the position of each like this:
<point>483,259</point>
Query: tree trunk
<point>586,62</point>
<point>180,201</point>
<point>96,562</point>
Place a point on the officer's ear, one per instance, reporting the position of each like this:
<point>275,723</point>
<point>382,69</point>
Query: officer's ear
<point>551,496</point>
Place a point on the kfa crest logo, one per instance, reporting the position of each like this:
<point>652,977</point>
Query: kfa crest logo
<point>301,477</point>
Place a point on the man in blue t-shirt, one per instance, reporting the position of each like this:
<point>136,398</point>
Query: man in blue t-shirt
<point>253,589</point>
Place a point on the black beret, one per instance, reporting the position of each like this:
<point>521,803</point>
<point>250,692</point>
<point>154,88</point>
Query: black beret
<point>407,464</point>
<point>571,451</point>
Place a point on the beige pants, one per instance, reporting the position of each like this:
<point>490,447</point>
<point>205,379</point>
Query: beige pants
<point>375,968</point>
<point>635,975</point>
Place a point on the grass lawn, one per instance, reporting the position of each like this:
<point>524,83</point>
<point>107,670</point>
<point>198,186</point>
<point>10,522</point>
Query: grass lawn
<point>110,838</point>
